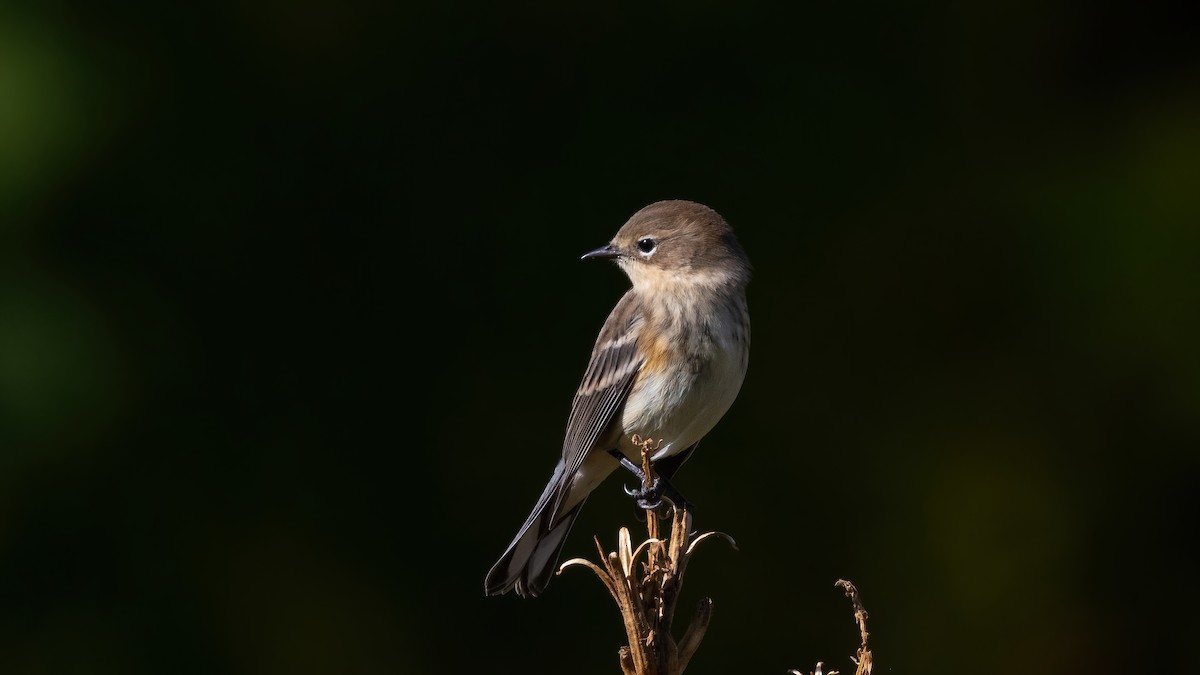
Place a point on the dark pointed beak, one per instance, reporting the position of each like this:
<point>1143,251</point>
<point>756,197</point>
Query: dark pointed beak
<point>606,251</point>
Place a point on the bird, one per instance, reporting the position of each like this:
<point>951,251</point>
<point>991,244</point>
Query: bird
<point>667,365</point>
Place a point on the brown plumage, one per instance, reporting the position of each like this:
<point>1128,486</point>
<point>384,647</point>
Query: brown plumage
<point>667,364</point>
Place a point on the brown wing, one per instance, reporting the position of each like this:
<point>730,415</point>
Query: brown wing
<point>606,384</point>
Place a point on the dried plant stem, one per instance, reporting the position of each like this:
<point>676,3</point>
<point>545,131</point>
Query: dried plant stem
<point>647,597</point>
<point>863,658</point>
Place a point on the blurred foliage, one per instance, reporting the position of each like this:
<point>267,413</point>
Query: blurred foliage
<point>291,313</point>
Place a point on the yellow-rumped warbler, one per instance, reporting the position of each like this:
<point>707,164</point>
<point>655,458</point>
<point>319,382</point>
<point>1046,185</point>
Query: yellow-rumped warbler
<point>667,364</point>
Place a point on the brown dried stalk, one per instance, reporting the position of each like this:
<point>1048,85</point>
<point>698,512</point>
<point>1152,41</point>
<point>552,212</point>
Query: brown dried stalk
<point>647,597</point>
<point>863,659</point>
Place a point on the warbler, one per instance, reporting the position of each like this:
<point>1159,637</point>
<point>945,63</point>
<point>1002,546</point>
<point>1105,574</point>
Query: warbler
<point>667,365</point>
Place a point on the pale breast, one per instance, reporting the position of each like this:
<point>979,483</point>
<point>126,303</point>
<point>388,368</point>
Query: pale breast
<point>687,385</point>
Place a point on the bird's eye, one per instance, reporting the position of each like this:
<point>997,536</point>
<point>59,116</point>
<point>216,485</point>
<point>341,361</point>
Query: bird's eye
<point>646,245</point>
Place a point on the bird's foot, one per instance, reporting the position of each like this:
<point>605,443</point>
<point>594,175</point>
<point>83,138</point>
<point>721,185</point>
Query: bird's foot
<point>648,498</point>
<point>651,497</point>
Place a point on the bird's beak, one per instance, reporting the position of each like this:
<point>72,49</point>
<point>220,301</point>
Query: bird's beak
<point>606,251</point>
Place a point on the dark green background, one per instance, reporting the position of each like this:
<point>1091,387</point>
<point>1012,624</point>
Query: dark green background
<point>291,312</point>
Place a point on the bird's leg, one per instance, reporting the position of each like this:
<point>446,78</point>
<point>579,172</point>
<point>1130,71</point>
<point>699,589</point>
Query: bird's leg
<point>650,498</point>
<point>650,493</point>
<point>625,462</point>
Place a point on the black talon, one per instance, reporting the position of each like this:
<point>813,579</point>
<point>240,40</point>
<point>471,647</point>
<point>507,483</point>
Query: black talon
<point>647,504</point>
<point>650,498</point>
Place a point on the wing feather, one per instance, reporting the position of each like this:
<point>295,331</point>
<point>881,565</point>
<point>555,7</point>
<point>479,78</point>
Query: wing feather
<point>606,384</point>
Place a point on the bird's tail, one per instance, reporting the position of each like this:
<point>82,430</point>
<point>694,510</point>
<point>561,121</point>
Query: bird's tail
<point>529,562</point>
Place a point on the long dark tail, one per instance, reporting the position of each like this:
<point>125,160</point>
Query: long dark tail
<point>530,560</point>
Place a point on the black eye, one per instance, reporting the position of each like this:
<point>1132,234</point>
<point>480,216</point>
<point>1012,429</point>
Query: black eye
<point>646,245</point>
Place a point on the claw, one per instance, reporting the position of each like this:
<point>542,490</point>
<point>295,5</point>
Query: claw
<point>648,498</point>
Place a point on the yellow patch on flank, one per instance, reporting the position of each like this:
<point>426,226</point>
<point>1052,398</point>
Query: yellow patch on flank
<point>657,351</point>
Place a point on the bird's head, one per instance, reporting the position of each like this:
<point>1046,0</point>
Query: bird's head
<point>677,243</point>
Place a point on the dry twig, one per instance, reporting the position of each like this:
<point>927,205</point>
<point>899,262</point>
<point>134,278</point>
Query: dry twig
<point>863,657</point>
<point>647,597</point>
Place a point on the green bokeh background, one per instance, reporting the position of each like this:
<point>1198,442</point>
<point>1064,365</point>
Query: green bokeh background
<point>291,312</point>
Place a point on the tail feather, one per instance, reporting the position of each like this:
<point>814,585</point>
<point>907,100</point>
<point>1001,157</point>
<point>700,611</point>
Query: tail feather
<point>530,559</point>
